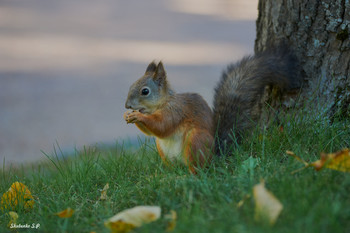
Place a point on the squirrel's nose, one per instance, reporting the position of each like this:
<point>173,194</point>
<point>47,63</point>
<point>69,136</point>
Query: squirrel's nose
<point>128,105</point>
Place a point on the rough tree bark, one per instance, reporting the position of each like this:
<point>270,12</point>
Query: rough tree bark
<point>318,33</point>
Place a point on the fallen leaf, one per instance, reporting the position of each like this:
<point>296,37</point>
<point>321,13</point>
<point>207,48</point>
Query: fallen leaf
<point>339,161</point>
<point>13,218</point>
<point>67,213</point>
<point>131,218</point>
<point>119,226</point>
<point>17,195</point>
<point>172,217</point>
<point>250,164</point>
<point>281,129</point>
<point>241,202</point>
<point>267,206</point>
<point>104,192</point>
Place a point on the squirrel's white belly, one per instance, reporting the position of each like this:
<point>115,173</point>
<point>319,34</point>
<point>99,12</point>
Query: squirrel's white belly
<point>172,146</point>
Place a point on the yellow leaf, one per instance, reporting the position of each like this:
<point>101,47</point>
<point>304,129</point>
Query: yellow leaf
<point>267,206</point>
<point>17,195</point>
<point>241,202</point>
<point>339,161</point>
<point>13,218</point>
<point>67,213</point>
<point>119,226</point>
<point>104,192</point>
<point>172,217</point>
<point>131,218</point>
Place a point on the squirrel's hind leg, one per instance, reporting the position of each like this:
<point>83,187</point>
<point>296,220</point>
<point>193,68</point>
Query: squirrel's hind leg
<point>198,149</point>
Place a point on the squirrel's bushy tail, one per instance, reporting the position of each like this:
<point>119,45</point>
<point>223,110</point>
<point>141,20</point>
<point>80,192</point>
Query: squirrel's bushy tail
<point>241,87</point>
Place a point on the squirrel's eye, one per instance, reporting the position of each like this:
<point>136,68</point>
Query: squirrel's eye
<point>145,91</point>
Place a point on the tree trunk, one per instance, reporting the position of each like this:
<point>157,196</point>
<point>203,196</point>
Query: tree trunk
<point>318,33</point>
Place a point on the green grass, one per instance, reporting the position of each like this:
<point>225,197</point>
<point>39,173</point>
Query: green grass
<point>313,201</point>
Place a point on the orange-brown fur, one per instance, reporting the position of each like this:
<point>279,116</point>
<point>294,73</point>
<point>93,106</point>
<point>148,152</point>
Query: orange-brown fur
<point>184,125</point>
<point>187,115</point>
<point>198,150</point>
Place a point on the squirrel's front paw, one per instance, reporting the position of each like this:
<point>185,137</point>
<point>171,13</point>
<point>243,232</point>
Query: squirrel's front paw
<point>131,116</point>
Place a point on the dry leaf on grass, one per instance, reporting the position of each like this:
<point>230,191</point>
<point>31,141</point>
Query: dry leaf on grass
<point>67,213</point>
<point>267,206</point>
<point>241,202</point>
<point>131,218</point>
<point>17,195</point>
<point>172,217</point>
<point>104,192</point>
<point>339,161</point>
<point>13,218</point>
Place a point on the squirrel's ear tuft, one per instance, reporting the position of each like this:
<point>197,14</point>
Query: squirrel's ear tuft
<point>151,68</point>
<point>160,72</point>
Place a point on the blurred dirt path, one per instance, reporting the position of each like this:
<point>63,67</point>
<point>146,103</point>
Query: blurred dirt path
<point>66,66</point>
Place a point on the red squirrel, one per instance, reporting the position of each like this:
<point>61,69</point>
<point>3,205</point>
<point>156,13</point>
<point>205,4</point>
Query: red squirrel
<point>181,123</point>
<point>185,126</point>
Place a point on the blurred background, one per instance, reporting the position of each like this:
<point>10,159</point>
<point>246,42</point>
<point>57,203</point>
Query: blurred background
<point>66,66</point>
